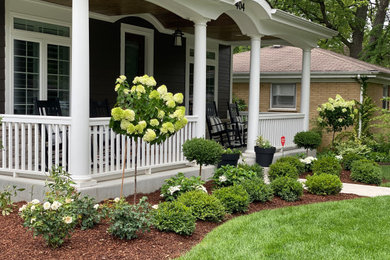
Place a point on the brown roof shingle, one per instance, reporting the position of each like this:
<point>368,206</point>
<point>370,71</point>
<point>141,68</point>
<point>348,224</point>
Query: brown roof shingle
<point>289,59</point>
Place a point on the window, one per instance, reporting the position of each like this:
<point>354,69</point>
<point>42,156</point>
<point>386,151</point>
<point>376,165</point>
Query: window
<point>386,102</point>
<point>41,65</point>
<point>283,96</point>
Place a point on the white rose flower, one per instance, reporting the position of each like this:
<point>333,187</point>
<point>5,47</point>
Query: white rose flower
<point>339,157</point>
<point>22,208</point>
<point>155,206</point>
<point>33,220</point>
<point>32,208</point>
<point>117,199</point>
<point>55,205</point>
<point>202,188</point>
<point>67,219</point>
<point>173,189</point>
<point>222,178</point>
<point>96,206</point>
<point>46,205</point>
<point>35,201</point>
<point>68,200</point>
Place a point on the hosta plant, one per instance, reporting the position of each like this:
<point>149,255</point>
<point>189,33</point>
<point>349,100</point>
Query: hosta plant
<point>229,175</point>
<point>179,184</point>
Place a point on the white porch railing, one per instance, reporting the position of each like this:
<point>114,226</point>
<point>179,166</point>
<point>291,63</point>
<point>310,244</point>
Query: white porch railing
<point>33,144</point>
<point>273,126</point>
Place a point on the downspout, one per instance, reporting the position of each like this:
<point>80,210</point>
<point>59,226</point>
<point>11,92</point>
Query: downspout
<point>360,113</point>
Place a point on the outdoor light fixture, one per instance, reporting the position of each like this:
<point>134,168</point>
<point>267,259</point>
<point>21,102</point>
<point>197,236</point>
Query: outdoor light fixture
<point>178,38</point>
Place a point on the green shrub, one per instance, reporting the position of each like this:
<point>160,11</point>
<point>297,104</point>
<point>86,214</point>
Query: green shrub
<point>324,184</point>
<point>329,165</point>
<point>280,169</point>
<point>180,184</point>
<point>87,212</point>
<point>258,190</point>
<point>204,207</point>
<point>351,146</point>
<point>174,216</point>
<point>254,168</point>
<point>6,204</point>
<point>228,175</point>
<point>366,172</point>
<point>349,158</point>
<point>234,198</point>
<point>295,162</point>
<point>379,156</point>
<point>308,140</point>
<point>127,220</point>
<point>204,152</point>
<point>288,189</point>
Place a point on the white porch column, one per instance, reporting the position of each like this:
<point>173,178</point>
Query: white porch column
<point>305,87</point>
<point>79,142</point>
<point>254,94</point>
<point>199,98</point>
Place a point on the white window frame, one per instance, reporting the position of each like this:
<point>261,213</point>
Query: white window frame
<point>283,108</point>
<point>189,59</point>
<point>44,40</point>
<point>149,46</point>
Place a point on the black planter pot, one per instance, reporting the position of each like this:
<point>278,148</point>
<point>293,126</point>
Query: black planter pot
<point>264,156</point>
<point>229,159</point>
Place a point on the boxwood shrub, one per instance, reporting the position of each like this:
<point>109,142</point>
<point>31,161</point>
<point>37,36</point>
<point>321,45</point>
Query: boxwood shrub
<point>287,188</point>
<point>366,172</point>
<point>258,190</point>
<point>204,207</point>
<point>327,164</point>
<point>323,184</point>
<point>295,162</point>
<point>234,198</point>
<point>349,158</point>
<point>308,140</point>
<point>279,169</point>
<point>174,216</point>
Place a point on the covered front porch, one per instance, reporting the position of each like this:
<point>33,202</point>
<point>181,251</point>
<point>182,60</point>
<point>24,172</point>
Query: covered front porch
<point>100,46</point>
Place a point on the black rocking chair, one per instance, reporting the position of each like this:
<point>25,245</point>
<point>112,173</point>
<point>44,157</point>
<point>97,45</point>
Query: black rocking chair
<point>240,124</point>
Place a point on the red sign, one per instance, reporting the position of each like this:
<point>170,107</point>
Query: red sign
<point>283,140</point>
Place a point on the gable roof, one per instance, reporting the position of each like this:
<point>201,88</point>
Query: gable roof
<point>287,59</point>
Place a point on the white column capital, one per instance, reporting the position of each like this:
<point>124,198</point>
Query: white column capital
<point>200,22</point>
<point>255,37</point>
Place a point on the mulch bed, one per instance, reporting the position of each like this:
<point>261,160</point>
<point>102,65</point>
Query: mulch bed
<point>345,177</point>
<point>18,243</point>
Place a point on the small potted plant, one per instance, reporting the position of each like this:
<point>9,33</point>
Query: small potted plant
<point>264,152</point>
<point>230,157</point>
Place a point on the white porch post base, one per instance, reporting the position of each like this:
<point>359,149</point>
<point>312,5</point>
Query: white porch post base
<point>199,98</point>
<point>305,87</point>
<point>80,138</point>
<point>254,94</point>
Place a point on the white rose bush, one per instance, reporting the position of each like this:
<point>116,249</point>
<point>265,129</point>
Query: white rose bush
<point>336,114</point>
<point>145,112</point>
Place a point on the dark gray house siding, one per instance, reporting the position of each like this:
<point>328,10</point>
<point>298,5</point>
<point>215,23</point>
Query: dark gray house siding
<point>224,79</point>
<point>2,56</point>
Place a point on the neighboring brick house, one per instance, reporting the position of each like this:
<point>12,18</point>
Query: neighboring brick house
<point>331,74</point>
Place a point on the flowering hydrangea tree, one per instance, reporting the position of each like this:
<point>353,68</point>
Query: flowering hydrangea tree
<point>336,114</point>
<point>144,112</point>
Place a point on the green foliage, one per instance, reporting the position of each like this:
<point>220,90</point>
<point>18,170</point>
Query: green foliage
<point>366,172</point>
<point>53,221</point>
<point>203,206</point>
<point>336,114</point>
<point>242,106</point>
<point>254,168</point>
<point>179,184</point>
<point>293,161</point>
<point>258,190</point>
<point>232,151</point>
<point>279,169</point>
<point>308,140</point>
<point>288,189</point>
<point>143,112</point>
<point>204,152</point>
<point>6,205</point>
<point>60,184</point>
<point>127,220</point>
<point>352,146</point>
<point>228,175</point>
<point>86,211</point>
<point>262,142</point>
<point>379,157</point>
<point>349,158</point>
<point>382,122</point>
<point>174,216</point>
<point>234,198</point>
<point>239,49</point>
<point>324,184</point>
<point>329,165</point>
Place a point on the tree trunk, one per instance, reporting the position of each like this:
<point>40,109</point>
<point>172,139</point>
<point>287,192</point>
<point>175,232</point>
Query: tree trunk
<point>379,21</point>
<point>356,46</point>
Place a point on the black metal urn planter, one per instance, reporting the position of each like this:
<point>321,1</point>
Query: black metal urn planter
<point>264,152</point>
<point>230,157</point>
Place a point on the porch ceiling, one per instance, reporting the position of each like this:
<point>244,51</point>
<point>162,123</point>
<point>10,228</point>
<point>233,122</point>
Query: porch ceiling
<point>224,28</point>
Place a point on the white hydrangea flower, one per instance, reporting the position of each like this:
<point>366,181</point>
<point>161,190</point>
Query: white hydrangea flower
<point>56,205</point>
<point>155,206</point>
<point>46,205</point>
<point>339,157</point>
<point>222,178</point>
<point>173,189</point>
<point>35,201</point>
<point>117,199</point>
<point>67,219</point>
<point>202,188</point>
<point>96,206</point>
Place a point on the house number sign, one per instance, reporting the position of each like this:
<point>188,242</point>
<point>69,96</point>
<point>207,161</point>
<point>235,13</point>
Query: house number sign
<point>240,6</point>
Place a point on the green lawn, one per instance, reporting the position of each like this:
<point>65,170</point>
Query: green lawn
<point>386,171</point>
<point>354,229</point>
